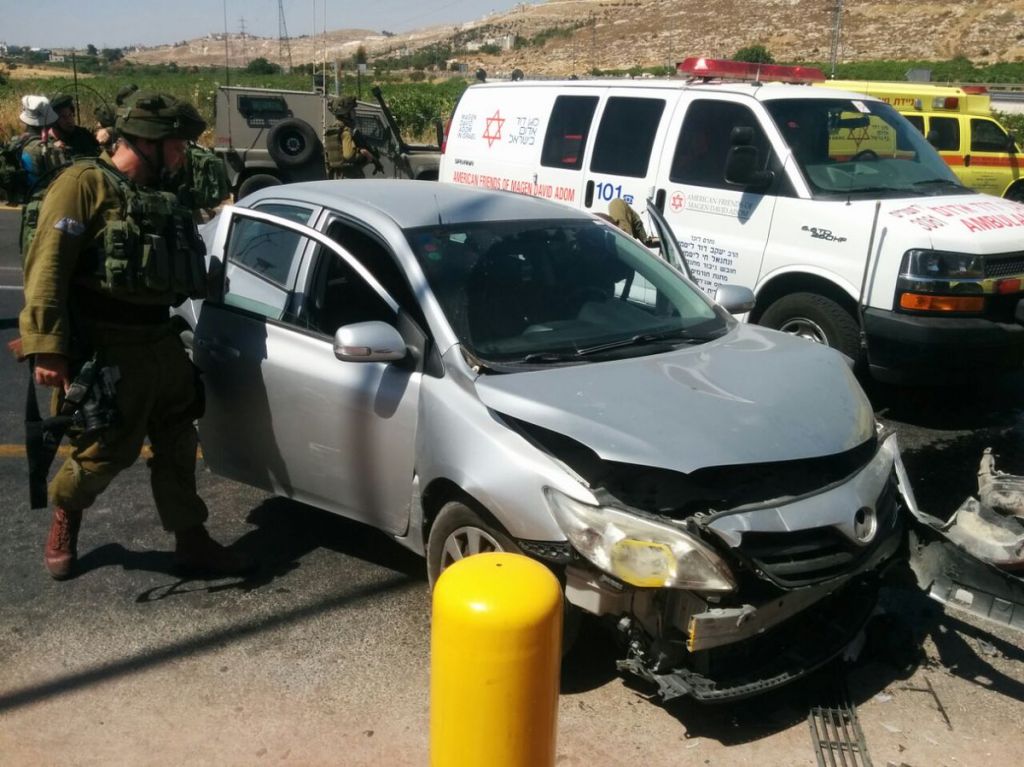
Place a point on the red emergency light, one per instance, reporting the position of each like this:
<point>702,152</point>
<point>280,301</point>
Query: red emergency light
<point>746,70</point>
<point>974,90</point>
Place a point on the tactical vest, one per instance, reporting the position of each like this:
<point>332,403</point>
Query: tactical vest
<point>207,183</point>
<point>148,252</point>
<point>14,179</point>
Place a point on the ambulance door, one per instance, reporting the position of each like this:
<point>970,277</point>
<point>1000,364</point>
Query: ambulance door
<point>627,148</point>
<point>989,166</point>
<point>722,228</point>
<point>944,133</point>
<point>567,136</point>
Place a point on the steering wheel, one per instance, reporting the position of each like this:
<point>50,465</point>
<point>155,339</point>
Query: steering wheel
<point>865,154</point>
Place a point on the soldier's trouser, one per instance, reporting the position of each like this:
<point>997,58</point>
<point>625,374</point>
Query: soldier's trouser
<point>158,396</point>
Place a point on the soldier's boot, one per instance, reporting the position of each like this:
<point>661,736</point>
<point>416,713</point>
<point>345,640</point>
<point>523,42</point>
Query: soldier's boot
<point>196,552</point>
<point>61,549</point>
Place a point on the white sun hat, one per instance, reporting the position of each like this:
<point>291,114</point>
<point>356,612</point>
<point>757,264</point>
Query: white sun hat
<point>36,110</point>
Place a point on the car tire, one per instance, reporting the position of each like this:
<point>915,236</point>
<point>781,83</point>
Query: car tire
<point>1016,193</point>
<point>254,183</point>
<point>816,318</point>
<point>459,528</point>
<point>293,143</point>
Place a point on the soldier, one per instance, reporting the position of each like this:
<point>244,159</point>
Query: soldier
<point>109,256</point>
<point>78,140</point>
<point>39,154</point>
<point>344,158</point>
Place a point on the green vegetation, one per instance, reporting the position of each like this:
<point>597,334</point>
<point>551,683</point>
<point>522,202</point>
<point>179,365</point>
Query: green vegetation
<point>756,54</point>
<point>416,105</point>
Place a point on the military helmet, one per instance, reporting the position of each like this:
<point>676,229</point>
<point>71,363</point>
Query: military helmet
<point>156,116</point>
<point>342,105</point>
<point>62,101</point>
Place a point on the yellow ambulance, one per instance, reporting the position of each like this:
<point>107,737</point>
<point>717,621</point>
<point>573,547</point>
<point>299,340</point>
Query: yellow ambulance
<point>958,122</point>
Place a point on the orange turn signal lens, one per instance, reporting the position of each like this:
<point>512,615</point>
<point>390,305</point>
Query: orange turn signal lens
<point>923,302</point>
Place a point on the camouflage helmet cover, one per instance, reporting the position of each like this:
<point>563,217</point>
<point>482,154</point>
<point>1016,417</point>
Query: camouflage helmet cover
<point>155,116</point>
<point>342,105</point>
<point>62,101</point>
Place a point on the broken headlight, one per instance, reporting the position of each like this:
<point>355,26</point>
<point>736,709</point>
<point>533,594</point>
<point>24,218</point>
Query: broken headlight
<point>638,551</point>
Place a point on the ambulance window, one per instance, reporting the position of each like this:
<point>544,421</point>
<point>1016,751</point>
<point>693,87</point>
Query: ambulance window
<point>625,137</point>
<point>704,142</point>
<point>566,138</point>
<point>944,133</point>
<point>917,121</point>
<point>987,136</point>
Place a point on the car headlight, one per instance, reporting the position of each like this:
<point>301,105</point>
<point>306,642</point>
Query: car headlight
<point>638,551</point>
<point>941,265</point>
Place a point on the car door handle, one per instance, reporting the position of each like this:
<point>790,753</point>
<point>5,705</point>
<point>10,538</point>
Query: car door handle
<point>218,350</point>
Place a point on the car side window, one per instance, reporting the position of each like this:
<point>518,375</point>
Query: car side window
<point>987,136</point>
<point>626,135</point>
<point>261,262</point>
<point>566,137</point>
<point>917,121</point>
<point>944,133</point>
<point>704,142</point>
<point>340,296</point>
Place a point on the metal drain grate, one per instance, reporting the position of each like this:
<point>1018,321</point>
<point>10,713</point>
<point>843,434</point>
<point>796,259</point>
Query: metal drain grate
<point>837,738</point>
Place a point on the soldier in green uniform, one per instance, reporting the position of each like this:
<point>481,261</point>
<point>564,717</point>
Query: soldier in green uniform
<point>344,158</point>
<point>79,141</point>
<point>110,254</point>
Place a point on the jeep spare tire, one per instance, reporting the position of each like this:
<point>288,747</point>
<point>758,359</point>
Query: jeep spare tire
<point>293,143</point>
<point>254,183</point>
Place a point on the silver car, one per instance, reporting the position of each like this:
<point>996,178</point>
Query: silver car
<point>473,371</point>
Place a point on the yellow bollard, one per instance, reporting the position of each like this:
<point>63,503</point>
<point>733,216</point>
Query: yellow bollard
<point>495,654</point>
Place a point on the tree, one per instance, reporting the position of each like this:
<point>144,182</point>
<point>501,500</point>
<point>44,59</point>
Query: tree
<point>90,50</point>
<point>756,54</point>
<point>260,66</point>
<point>360,56</point>
<point>112,54</point>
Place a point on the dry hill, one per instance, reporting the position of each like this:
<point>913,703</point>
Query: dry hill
<point>615,34</point>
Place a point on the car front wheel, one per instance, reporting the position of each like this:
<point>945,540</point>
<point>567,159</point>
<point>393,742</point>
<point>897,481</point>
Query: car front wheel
<point>816,318</point>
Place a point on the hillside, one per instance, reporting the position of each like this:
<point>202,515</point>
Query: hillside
<point>618,34</point>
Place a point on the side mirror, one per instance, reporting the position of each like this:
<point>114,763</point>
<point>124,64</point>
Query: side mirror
<point>368,342</point>
<point>735,299</point>
<point>743,167</point>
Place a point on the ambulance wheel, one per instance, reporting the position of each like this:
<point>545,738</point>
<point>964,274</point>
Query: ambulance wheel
<point>817,319</point>
<point>1016,194</point>
<point>254,183</point>
<point>292,143</point>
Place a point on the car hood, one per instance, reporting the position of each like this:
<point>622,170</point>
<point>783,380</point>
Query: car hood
<point>753,396</point>
<point>975,223</point>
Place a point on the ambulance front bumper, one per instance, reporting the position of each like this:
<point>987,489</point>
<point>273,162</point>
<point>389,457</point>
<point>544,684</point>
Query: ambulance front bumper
<point>909,349</point>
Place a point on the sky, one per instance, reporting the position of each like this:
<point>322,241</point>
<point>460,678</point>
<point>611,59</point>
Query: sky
<point>121,23</point>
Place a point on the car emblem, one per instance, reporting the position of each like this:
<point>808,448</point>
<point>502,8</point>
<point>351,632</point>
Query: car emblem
<point>865,524</point>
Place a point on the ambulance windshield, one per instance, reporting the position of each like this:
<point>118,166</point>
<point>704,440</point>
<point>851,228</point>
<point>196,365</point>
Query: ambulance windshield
<point>860,148</point>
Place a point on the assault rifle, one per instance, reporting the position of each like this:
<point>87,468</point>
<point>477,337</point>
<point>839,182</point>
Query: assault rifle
<point>362,142</point>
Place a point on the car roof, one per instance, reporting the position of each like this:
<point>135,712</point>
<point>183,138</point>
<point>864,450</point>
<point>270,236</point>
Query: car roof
<point>412,204</point>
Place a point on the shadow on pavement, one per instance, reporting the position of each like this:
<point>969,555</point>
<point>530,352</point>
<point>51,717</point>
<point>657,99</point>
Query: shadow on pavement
<point>985,404</point>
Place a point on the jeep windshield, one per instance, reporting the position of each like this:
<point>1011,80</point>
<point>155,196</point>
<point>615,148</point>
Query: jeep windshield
<point>556,292</point>
<point>853,147</point>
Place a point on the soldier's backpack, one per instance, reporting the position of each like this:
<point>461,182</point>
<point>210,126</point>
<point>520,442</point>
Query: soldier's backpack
<point>13,177</point>
<point>207,183</point>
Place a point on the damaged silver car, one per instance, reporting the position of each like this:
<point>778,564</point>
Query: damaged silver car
<point>473,371</point>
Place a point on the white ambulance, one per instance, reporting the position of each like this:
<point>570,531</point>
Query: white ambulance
<point>835,210</point>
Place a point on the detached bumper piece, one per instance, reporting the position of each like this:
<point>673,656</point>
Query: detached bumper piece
<point>837,737</point>
<point>777,657</point>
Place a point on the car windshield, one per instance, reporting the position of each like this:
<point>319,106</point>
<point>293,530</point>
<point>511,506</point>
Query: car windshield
<point>559,291</point>
<point>853,147</point>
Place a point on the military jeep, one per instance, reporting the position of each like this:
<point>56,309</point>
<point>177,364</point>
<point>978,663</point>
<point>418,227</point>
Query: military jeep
<point>269,136</point>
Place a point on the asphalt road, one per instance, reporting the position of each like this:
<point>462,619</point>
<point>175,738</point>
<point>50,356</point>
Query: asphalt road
<point>322,656</point>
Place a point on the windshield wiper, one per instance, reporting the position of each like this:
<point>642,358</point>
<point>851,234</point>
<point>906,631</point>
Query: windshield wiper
<point>937,181</point>
<point>640,339</point>
<point>549,357</point>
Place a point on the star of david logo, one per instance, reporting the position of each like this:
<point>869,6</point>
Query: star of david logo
<point>493,131</point>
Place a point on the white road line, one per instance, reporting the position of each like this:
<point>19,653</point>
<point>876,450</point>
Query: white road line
<point>10,268</point>
<point>12,287</point>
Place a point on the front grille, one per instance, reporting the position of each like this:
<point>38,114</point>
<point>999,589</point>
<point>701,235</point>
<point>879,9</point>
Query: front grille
<point>1005,266</point>
<point>813,555</point>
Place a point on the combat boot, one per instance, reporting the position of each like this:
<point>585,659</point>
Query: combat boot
<point>196,552</point>
<point>62,543</point>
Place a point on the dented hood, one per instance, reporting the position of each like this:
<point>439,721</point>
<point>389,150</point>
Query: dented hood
<point>753,396</point>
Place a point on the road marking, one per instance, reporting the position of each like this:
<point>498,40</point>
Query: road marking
<point>18,451</point>
<point>12,287</point>
<point>10,268</point>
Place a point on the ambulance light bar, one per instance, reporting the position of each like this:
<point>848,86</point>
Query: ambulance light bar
<point>945,102</point>
<point>745,70</point>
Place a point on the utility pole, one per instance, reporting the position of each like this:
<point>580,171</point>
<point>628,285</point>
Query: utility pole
<point>241,24</point>
<point>284,45</point>
<point>837,31</point>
